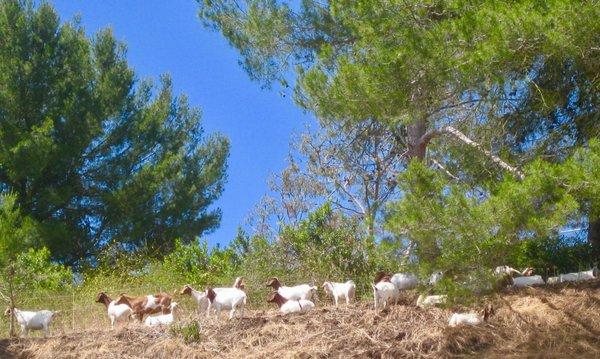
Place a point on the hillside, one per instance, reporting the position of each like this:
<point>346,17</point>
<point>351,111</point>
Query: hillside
<point>538,322</point>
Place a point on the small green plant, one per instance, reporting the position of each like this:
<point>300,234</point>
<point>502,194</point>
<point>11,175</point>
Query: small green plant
<point>189,332</point>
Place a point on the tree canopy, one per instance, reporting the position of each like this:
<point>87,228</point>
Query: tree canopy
<point>476,92</point>
<point>94,156</point>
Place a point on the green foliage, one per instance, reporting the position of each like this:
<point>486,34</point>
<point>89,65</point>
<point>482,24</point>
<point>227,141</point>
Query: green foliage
<point>94,156</point>
<point>327,246</point>
<point>554,255</point>
<point>189,332</point>
<point>34,270</point>
<point>462,231</point>
<point>17,232</point>
<point>375,58</point>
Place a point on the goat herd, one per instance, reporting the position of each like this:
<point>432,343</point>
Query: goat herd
<point>386,289</point>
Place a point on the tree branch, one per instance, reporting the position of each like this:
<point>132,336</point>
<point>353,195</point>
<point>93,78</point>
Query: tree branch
<point>428,136</point>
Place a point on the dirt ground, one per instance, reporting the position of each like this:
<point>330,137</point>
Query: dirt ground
<point>556,322</point>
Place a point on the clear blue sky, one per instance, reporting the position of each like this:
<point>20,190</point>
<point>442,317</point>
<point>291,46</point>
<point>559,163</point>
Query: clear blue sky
<point>166,37</point>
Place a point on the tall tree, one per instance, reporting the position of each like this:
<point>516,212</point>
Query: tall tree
<point>95,156</point>
<point>442,74</point>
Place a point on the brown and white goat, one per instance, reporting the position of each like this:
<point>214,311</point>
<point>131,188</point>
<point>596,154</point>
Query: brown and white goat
<point>301,291</point>
<point>116,312</point>
<point>287,306</point>
<point>148,304</point>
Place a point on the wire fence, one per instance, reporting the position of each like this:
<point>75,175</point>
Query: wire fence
<point>78,310</point>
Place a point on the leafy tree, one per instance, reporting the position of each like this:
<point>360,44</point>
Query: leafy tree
<point>455,81</point>
<point>460,232</point>
<point>95,156</point>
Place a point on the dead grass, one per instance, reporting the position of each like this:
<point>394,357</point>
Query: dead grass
<point>557,322</point>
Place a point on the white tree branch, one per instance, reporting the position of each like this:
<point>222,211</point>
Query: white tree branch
<point>428,136</point>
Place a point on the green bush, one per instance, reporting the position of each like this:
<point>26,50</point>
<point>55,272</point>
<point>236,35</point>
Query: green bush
<point>35,270</point>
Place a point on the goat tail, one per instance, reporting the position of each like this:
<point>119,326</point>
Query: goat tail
<point>56,312</point>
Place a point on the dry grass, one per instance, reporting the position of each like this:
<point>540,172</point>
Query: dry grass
<point>557,322</point>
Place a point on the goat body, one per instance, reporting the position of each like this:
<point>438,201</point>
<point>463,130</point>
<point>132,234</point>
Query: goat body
<point>28,320</point>
<point>116,312</point>
<point>405,281</point>
<point>287,306</point>
<point>471,318</point>
<point>340,290</point>
<point>384,292</point>
<point>162,319</point>
<point>431,300</point>
<point>232,299</point>
<point>302,291</point>
<point>528,281</point>
<point>149,304</point>
<point>578,277</point>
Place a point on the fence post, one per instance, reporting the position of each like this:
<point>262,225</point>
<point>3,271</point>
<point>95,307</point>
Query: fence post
<point>73,312</point>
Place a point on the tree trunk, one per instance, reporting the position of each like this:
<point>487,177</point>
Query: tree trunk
<point>593,234</point>
<point>415,145</point>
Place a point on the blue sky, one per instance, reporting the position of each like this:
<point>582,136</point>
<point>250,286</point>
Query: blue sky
<point>167,37</point>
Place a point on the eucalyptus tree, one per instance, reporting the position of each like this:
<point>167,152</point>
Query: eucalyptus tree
<point>93,155</point>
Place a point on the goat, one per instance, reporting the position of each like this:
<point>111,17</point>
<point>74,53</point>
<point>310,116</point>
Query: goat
<point>578,276</point>
<point>287,306</point>
<point>200,297</point>
<point>431,300</point>
<point>472,318</point>
<point>233,299</point>
<point>149,304</point>
<point>402,281</point>
<point>384,292</point>
<point>340,290</point>
<point>500,270</point>
<point>302,291</point>
<point>162,319</point>
<point>528,281</point>
<point>39,320</point>
<point>116,312</point>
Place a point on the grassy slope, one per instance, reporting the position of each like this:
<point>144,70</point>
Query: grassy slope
<point>561,321</point>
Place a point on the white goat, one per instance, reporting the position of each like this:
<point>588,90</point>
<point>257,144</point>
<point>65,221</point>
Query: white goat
<point>520,282</point>
<point>553,280</point>
<point>39,320</point>
<point>431,300</point>
<point>471,318</point>
<point>232,299</point>
<point>384,292</point>
<point>402,281</point>
<point>162,319</point>
<point>340,290</point>
<point>287,306</point>
<point>302,291</point>
<point>579,276</point>
<point>116,312</point>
